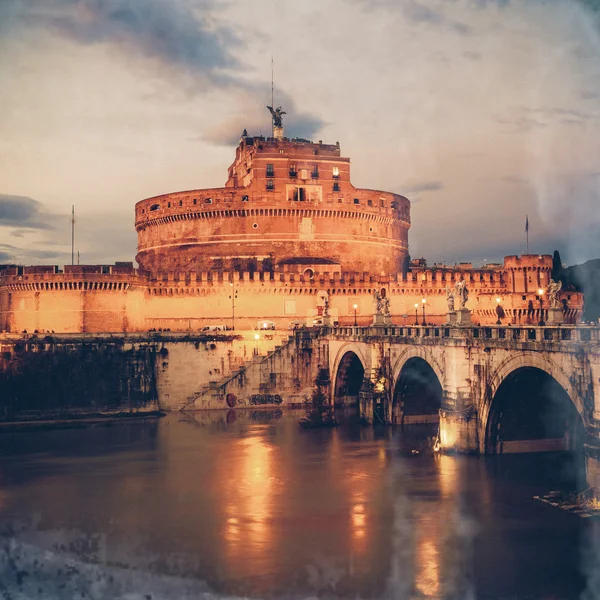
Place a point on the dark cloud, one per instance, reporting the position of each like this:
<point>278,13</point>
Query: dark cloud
<point>425,186</point>
<point>25,213</point>
<point>419,12</point>
<point>296,123</point>
<point>165,30</point>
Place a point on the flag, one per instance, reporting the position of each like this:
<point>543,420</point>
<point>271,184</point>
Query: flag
<point>526,223</point>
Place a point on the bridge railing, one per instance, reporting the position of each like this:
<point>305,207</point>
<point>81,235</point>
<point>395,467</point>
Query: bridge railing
<point>552,333</point>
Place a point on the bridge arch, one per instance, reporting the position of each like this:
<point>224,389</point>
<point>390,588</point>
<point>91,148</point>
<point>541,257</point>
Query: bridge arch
<point>349,368</point>
<point>417,387</point>
<point>531,392</point>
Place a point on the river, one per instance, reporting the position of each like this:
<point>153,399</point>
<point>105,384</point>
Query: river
<point>246,504</point>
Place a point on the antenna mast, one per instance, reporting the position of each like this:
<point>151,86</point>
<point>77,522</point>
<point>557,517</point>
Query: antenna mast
<point>72,235</point>
<point>272,98</point>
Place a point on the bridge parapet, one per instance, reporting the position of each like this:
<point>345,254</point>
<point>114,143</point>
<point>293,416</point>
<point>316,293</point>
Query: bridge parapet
<point>563,334</point>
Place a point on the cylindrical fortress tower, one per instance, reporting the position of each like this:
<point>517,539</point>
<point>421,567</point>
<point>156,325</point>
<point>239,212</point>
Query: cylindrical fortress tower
<point>285,201</point>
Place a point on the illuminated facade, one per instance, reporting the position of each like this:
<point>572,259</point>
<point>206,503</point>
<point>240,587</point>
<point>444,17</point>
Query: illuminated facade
<point>287,235</point>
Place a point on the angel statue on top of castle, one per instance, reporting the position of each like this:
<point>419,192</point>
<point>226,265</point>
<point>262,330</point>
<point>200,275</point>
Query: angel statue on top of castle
<point>277,114</point>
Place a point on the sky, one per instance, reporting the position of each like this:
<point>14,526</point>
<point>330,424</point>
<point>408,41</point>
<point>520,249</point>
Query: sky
<point>479,111</point>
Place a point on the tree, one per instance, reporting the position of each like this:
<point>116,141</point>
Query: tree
<point>405,264</point>
<point>557,268</point>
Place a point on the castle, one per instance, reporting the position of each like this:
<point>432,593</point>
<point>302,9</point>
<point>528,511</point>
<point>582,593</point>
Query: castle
<point>287,235</point>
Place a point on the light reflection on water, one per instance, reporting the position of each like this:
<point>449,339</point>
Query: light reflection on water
<point>255,506</point>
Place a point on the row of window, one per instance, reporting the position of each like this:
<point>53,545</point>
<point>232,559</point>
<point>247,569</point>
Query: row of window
<point>293,172</point>
<point>270,187</point>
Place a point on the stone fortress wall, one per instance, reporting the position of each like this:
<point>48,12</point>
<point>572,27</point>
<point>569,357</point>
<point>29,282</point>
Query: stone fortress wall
<point>72,301</point>
<point>283,199</point>
<point>287,231</point>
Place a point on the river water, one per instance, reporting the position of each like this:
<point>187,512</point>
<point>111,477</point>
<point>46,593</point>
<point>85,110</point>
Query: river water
<point>249,505</point>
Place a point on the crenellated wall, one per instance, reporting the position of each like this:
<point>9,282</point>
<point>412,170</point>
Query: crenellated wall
<point>181,301</point>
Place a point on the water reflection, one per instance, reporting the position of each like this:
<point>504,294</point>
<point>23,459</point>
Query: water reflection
<point>261,509</point>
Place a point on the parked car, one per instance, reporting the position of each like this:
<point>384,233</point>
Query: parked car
<point>213,328</point>
<point>264,324</point>
<point>297,325</point>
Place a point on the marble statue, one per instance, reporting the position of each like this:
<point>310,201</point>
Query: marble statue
<point>553,288</point>
<point>462,292</point>
<point>450,299</point>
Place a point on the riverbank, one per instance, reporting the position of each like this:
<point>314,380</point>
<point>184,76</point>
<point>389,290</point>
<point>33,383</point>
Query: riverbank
<point>78,421</point>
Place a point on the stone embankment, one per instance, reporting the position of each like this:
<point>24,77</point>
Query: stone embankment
<point>92,377</point>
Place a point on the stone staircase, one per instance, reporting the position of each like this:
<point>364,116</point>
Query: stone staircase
<point>211,395</point>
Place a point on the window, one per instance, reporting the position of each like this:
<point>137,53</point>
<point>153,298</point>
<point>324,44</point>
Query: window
<point>195,201</point>
<point>270,184</point>
<point>336,187</point>
<point>208,201</point>
<point>270,170</point>
<point>381,203</point>
<point>369,202</point>
<point>181,203</point>
<point>315,172</point>
<point>254,225</point>
<point>293,171</point>
<point>168,205</point>
<point>155,207</point>
<point>336,172</point>
<point>394,205</point>
<point>244,198</point>
<point>356,200</point>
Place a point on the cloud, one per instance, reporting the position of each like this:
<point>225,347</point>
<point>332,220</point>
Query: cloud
<point>25,213</point>
<point>425,186</point>
<point>419,12</point>
<point>172,33</point>
<point>228,131</point>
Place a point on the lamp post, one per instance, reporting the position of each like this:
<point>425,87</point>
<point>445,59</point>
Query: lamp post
<point>416,314</point>
<point>423,300</point>
<point>498,322</point>
<point>256,338</point>
<point>541,299</point>
<point>233,297</point>
<point>355,307</point>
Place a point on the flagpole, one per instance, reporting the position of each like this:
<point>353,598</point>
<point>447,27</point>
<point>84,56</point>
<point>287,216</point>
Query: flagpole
<point>527,231</point>
<point>72,235</point>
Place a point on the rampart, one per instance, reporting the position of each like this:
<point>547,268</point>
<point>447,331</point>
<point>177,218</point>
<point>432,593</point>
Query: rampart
<point>85,299</point>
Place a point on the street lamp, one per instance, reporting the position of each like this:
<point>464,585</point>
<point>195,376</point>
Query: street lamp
<point>498,310</point>
<point>416,314</point>
<point>256,338</point>
<point>355,307</point>
<point>541,299</point>
<point>423,300</point>
<point>233,297</point>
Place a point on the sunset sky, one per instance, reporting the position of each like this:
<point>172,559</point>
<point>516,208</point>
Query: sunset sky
<point>479,111</point>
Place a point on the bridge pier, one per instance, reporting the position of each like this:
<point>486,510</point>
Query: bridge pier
<point>459,431</point>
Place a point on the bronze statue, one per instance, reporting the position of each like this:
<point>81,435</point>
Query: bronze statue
<point>277,115</point>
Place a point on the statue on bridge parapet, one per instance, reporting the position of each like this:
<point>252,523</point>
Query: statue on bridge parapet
<point>463,314</point>
<point>450,299</point>
<point>553,288</point>
<point>555,311</point>
<point>382,308</point>
<point>462,292</point>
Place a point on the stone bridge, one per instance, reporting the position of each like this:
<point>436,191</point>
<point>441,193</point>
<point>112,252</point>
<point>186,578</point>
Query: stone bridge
<point>492,389</point>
